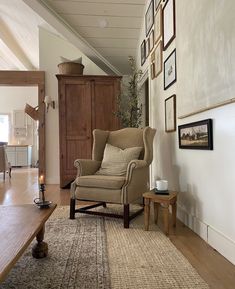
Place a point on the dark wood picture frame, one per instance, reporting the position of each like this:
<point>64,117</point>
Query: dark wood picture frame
<point>149,18</point>
<point>147,50</point>
<point>168,23</point>
<point>170,72</point>
<point>143,52</point>
<point>170,113</point>
<point>196,135</point>
<point>152,65</point>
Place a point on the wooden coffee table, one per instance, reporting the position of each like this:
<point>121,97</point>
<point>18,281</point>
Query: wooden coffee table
<point>18,226</point>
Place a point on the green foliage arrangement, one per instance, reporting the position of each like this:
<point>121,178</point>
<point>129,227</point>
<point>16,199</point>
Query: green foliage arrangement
<point>129,107</point>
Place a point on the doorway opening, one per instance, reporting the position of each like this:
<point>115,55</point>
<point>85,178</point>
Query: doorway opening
<point>31,78</point>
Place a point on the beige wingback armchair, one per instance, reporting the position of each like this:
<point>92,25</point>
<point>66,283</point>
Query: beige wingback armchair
<point>5,166</point>
<point>97,180</point>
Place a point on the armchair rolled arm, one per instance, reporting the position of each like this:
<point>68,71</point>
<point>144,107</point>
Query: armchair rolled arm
<point>86,166</point>
<point>133,165</point>
<point>136,180</point>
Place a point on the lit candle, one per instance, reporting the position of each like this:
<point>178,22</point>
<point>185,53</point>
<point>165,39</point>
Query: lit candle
<point>41,180</point>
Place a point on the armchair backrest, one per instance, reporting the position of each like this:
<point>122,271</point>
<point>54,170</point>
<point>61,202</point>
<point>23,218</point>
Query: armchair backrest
<point>124,138</point>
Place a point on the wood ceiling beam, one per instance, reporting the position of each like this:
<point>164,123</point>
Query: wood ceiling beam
<point>58,23</point>
<point>11,44</point>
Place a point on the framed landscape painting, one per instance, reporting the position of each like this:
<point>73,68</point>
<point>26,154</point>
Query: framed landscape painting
<point>196,135</point>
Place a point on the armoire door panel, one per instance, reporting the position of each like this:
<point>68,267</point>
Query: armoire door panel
<point>75,149</point>
<point>78,110</point>
<point>104,99</point>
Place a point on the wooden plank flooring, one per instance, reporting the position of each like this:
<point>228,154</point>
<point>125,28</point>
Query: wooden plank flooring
<point>214,268</point>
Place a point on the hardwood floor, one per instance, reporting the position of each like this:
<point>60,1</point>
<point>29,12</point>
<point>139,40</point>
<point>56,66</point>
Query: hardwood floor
<point>214,268</point>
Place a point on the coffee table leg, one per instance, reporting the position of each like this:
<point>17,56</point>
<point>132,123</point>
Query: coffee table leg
<point>146,213</point>
<point>40,250</point>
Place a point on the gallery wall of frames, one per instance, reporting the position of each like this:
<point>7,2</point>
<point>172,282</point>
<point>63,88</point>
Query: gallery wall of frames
<point>159,33</point>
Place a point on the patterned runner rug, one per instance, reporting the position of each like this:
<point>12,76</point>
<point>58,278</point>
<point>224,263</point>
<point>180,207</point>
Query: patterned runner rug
<point>91,253</point>
<point>77,257</point>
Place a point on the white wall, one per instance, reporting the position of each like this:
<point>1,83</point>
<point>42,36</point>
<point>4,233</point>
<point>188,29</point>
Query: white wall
<point>205,179</point>
<point>15,98</point>
<point>51,48</point>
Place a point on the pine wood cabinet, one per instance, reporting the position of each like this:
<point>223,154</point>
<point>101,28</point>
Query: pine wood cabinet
<point>85,103</point>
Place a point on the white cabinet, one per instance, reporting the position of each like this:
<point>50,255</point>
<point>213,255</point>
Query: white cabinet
<point>19,123</point>
<point>19,119</point>
<point>19,156</point>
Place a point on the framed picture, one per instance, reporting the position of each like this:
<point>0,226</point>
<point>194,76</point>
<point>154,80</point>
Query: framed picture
<point>157,2</point>
<point>170,69</point>
<point>147,49</point>
<point>149,18</point>
<point>158,59</point>
<point>143,52</point>
<point>151,41</point>
<point>168,23</point>
<point>152,65</point>
<point>170,113</point>
<point>158,24</point>
<point>152,70</point>
<point>196,135</point>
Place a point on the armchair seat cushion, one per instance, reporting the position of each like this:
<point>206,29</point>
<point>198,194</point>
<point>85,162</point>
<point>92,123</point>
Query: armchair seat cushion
<point>100,181</point>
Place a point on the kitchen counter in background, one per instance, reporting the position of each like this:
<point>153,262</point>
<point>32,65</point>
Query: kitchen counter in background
<point>19,155</point>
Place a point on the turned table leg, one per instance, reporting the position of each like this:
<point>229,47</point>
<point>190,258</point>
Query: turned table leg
<point>40,250</point>
<point>174,214</point>
<point>166,219</point>
<point>156,207</point>
<point>146,213</point>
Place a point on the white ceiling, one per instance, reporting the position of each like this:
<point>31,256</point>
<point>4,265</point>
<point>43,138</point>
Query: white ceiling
<point>19,47</point>
<point>110,28</point>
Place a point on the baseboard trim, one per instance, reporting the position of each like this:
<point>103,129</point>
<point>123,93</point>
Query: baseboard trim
<point>192,222</point>
<point>217,240</point>
<point>224,245</point>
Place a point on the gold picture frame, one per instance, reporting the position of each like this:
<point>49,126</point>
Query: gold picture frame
<point>158,25</point>
<point>158,59</point>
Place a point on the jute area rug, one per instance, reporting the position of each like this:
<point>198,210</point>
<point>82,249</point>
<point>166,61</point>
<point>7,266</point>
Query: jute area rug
<point>91,252</point>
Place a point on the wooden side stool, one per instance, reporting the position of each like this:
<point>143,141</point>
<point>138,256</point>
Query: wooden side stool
<point>165,201</point>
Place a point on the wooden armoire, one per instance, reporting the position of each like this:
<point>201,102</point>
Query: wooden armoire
<point>85,103</point>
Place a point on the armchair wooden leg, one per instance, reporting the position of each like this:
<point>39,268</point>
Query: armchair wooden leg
<point>10,172</point>
<point>126,216</point>
<point>72,208</point>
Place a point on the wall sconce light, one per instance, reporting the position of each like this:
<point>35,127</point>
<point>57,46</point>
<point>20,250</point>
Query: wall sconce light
<point>48,102</point>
